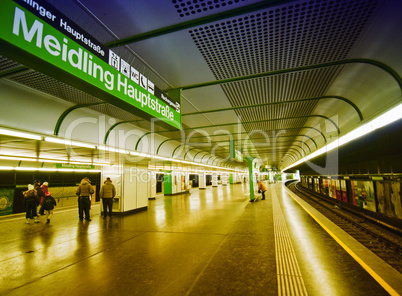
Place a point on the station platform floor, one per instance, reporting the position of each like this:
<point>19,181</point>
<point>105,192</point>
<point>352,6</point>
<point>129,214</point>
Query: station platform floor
<point>208,242</point>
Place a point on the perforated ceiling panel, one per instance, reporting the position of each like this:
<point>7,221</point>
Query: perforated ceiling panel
<point>194,7</point>
<point>293,35</point>
<point>305,33</point>
<point>6,64</point>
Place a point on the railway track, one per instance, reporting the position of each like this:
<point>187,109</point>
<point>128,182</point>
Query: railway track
<point>384,241</point>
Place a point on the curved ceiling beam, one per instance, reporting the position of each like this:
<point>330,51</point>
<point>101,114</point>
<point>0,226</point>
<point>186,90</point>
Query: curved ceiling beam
<point>203,157</point>
<point>242,133</point>
<point>310,139</point>
<point>172,139</point>
<point>198,153</point>
<point>273,148</point>
<point>176,149</point>
<point>289,142</point>
<point>277,148</point>
<point>209,159</point>
<point>138,142</point>
<point>197,22</point>
<point>289,156</point>
<point>217,161</point>
<point>287,151</point>
<point>68,111</point>
<point>283,102</point>
<point>113,126</point>
<point>185,154</point>
<point>157,150</point>
<point>290,128</point>
<point>260,121</point>
<point>278,143</point>
<point>381,65</point>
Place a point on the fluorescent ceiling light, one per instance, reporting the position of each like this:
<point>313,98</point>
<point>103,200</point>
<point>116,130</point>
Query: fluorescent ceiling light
<point>159,157</point>
<point>50,160</point>
<point>379,122</point>
<point>140,154</point>
<point>8,168</point>
<point>69,142</point>
<point>112,149</point>
<point>19,134</point>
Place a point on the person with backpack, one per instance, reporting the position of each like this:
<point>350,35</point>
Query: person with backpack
<point>84,192</point>
<point>48,205</point>
<point>45,189</point>
<point>31,202</point>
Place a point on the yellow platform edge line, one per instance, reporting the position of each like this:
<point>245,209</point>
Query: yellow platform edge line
<point>377,277</point>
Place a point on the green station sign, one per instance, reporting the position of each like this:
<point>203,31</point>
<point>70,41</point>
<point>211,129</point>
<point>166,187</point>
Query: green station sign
<point>37,35</point>
<point>74,166</point>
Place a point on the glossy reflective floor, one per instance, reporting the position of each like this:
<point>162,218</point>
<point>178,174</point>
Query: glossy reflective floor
<point>209,242</point>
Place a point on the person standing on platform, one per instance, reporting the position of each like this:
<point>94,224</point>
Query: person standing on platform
<point>262,188</point>
<point>45,189</point>
<point>107,193</point>
<point>31,202</point>
<point>48,205</point>
<point>84,192</point>
<point>41,195</point>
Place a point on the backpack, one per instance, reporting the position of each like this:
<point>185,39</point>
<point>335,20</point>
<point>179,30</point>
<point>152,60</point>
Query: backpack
<point>48,204</point>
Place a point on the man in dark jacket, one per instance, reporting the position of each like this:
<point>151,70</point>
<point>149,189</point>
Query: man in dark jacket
<point>84,192</point>
<point>107,193</point>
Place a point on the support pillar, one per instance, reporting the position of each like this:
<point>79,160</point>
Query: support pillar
<point>271,177</point>
<point>224,179</point>
<point>152,185</point>
<point>251,177</point>
<point>214,179</point>
<point>202,181</point>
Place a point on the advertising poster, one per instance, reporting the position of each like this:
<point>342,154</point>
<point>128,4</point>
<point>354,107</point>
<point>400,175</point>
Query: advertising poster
<point>325,187</point>
<point>389,198</point>
<point>333,188</point>
<point>364,195</point>
<point>6,201</point>
<point>317,185</point>
<point>354,201</point>
<point>338,190</point>
<point>182,183</point>
<point>344,193</point>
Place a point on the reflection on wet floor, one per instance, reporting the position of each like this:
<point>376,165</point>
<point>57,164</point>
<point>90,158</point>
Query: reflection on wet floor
<point>209,242</point>
<point>35,252</point>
